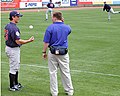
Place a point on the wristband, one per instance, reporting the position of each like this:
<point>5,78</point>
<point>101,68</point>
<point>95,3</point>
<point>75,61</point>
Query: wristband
<point>43,52</point>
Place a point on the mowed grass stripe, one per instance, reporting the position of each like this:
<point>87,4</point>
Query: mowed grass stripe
<point>76,71</point>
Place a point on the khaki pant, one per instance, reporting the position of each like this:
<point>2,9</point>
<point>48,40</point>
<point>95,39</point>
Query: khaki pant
<point>61,62</point>
<point>14,58</point>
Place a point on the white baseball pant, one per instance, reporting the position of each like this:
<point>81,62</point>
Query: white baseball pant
<point>49,10</point>
<point>14,58</point>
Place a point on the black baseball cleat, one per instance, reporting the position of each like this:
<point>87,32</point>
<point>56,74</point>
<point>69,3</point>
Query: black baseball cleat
<point>15,88</point>
<point>46,19</point>
<point>19,85</point>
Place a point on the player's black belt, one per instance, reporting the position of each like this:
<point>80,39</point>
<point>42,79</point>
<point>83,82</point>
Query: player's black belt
<point>12,46</point>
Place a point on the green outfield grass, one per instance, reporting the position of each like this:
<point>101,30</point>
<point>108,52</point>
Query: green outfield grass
<point>94,49</point>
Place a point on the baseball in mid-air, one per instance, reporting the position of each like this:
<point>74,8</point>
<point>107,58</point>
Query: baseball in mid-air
<point>31,26</point>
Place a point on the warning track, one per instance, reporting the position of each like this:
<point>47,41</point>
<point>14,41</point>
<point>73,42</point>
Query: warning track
<point>58,9</point>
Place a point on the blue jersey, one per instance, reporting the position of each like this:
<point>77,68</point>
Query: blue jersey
<point>106,7</point>
<point>12,33</point>
<point>56,34</point>
<point>50,5</point>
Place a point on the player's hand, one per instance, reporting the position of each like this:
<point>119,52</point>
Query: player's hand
<point>44,55</point>
<point>31,39</point>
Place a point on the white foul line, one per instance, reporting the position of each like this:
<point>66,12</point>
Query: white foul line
<point>78,71</point>
<point>96,73</point>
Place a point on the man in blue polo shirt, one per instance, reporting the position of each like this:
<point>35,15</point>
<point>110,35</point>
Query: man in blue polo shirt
<point>56,38</point>
<point>12,49</point>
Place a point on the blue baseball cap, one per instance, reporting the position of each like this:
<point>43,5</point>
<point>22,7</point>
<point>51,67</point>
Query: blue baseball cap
<point>15,13</point>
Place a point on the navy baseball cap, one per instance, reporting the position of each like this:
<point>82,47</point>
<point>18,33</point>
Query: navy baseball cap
<point>15,13</point>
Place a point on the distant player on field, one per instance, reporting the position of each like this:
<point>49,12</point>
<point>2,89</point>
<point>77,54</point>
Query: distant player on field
<point>50,7</point>
<point>109,10</point>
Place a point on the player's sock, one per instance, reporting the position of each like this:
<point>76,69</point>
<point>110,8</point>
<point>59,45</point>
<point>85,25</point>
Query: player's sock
<point>12,80</point>
<point>16,78</point>
<point>46,16</point>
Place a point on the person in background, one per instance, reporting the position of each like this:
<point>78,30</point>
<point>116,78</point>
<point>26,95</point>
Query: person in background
<point>50,7</point>
<point>109,9</point>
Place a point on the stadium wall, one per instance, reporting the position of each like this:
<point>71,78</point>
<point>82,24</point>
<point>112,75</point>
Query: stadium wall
<point>26,4</point>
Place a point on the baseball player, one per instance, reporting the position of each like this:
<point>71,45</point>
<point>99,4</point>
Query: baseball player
<point>50,7</point>
<point>109,10</point>
<point>56,39</point>
<point>13,43</point>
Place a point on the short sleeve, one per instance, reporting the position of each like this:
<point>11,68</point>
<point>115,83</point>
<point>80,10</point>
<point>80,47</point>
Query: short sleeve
<point>47,35</point>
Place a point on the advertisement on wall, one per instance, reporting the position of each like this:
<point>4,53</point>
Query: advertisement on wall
<point>85,2</point>
<point>65,3</point>
<point>30,0</point>
<point>115,1</point>
<point>45,2</point>
<point>9,4</point>
<point>101,1</point>
<point>30,4</point>
<point>73,2</point>
<point>58,3</point>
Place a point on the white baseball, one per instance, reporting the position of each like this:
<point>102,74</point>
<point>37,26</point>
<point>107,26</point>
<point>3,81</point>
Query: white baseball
<point>38,10</point>
<point>31,26</point>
